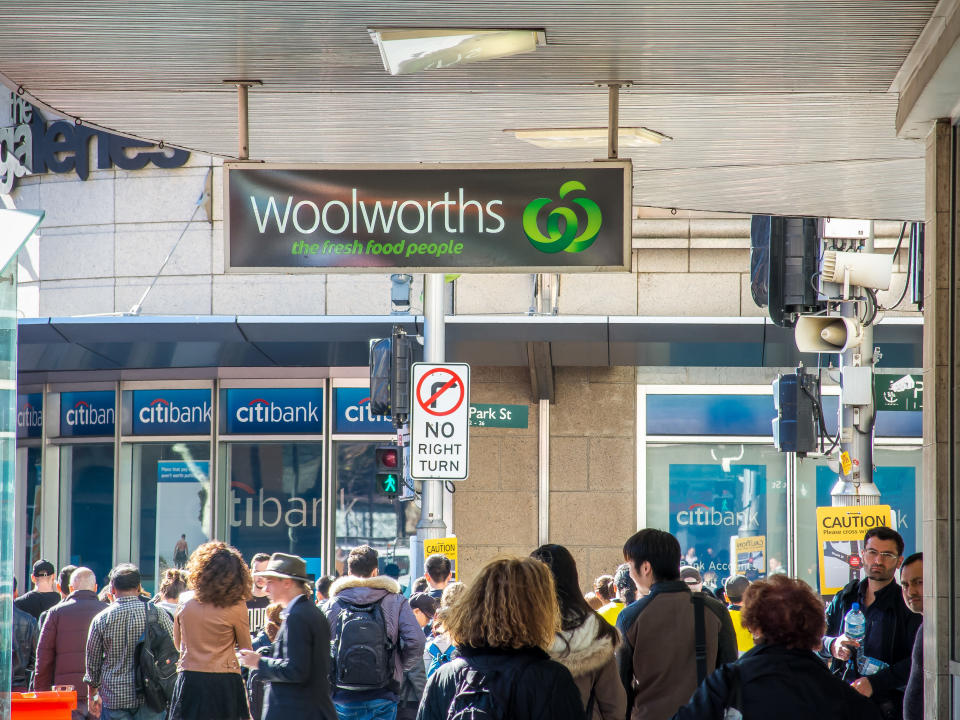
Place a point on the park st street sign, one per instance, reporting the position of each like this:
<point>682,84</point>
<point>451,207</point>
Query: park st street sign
<point>433,218</point>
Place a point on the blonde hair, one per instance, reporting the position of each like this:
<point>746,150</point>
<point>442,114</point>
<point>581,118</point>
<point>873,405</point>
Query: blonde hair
<point>511,604</point>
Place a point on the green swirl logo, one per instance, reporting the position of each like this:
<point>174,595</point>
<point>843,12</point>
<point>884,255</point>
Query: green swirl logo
<point>567,239</point>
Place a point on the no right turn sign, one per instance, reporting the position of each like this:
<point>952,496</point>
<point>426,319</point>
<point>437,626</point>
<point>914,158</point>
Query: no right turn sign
<point>439,421</point>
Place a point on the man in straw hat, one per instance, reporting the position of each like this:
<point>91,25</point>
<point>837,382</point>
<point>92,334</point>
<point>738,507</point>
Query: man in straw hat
<point>296,672</point>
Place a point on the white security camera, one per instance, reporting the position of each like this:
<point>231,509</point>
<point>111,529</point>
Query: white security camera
<point>905,383</point>
<point>820,333</point>
<point>857,268</point>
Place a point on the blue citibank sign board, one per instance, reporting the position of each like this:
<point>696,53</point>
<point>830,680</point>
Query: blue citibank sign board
<point>29,415</point>
<point>85,414</point>
<point>172,412</point>
<point>274,410</point>
<point>352,413</point>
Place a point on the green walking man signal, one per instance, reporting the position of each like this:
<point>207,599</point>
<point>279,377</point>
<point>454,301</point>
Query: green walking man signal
<point>389,462</point>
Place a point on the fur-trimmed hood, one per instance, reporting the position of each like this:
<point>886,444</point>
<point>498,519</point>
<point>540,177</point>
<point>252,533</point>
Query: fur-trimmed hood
<point>377,582</point>
<point>580,650</point>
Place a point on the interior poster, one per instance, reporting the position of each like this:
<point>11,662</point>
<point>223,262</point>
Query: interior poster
<point>182,501</point>
<point>840,532</point>
<point>751,555</point>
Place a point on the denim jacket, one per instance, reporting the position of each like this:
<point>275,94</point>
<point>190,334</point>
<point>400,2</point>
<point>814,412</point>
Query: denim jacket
<point>25,634</point>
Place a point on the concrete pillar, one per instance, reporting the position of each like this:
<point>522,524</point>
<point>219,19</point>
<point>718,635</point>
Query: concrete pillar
<point>938,338</point>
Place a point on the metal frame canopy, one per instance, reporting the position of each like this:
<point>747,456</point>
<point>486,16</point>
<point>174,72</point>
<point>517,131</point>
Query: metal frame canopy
<point>517,218</point>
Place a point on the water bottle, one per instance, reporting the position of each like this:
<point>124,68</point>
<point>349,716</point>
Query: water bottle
<point>867,665</point>
<point>855,628</point>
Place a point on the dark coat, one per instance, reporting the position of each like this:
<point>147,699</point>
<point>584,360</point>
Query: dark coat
<point>891,630</point>
<point>24,649</point>
<point>297,672</point>
<point>61,654</point>
<point>781,683</point>
<point>539,688</point>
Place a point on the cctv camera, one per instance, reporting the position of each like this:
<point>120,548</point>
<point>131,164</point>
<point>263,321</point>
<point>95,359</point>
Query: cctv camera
<point>857,268</point>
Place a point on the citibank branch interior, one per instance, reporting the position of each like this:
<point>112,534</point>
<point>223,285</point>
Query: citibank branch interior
<point>108,472</point>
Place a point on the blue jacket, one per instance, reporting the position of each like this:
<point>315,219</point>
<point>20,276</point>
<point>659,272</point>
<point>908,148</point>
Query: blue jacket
<point>297,671</point>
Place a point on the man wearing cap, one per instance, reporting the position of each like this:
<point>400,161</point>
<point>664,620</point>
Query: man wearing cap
<point>297,670</point>
<point>44,594</point>
<point>691,576</point>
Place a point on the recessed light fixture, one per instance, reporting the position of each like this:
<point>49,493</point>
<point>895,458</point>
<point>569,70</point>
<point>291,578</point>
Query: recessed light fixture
<point>410,50</point>
<point>554,138</point>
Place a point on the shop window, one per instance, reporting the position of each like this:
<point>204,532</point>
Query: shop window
<point>87,473</point>
<point>176,507</point>
<point>30,457</point>
<point>365,517</point>
<point>276,499</point>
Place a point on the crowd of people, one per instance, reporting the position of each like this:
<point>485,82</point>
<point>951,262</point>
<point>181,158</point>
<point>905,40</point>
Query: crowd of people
<point>226,640</point>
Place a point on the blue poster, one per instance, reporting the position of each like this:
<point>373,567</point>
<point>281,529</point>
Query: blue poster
<point>709,505</point>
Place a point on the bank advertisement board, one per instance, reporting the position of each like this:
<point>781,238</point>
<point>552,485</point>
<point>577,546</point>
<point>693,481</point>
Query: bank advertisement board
<point>87,414</point>
<point>484,218</point>
<point>352,414</point>
<point>251,411</point>
<point>172,412</point>
<point>29,415</point>
<point>840,532</point>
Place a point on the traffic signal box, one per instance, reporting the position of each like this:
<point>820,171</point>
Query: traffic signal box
<point>389,478</point>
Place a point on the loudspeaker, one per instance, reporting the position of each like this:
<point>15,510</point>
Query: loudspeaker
<point>818,334</point>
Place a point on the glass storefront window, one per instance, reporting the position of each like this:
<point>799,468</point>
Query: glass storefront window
<point>276,499</point>
<point>176,506</point>
<point>709,495</point>
<point>365,517</point>
<point>31,459</point>
<point>87,475</point>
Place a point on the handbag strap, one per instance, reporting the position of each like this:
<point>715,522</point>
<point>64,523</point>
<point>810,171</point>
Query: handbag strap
<point>700,636</point>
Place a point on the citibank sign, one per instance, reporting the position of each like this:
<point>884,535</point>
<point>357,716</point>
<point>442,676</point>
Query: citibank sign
<point>172,412</point>
<point>87,413</point>
<point>274,410</point>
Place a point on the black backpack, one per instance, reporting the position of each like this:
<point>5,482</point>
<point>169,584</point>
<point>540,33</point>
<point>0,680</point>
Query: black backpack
<point>475,700</point>
<point>362,655</point>
<point>155,662</point>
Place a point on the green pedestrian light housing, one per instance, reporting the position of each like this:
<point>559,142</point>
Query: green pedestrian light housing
<point>389,462</point>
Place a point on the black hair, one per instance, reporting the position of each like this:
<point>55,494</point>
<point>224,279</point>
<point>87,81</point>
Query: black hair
<point>124,577</point>
<point>625,584</point>
<point>420,585</point>
<point>323,584</point>
<point>657,547</point>
<point>574,610</point>
<point>362,561</point>
<point>438,567</point>
<point>884,533</point>
<point>64,579</point>
<point>911,559</point>
<point>259,557</point>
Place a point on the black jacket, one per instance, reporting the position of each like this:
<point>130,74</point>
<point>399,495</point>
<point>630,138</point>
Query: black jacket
<point>891,630</point>
<point>781,683</point>
<point>533,686</point>
<point>297,672</point>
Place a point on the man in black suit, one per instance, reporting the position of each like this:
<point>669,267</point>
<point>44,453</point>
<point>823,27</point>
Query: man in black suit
<point>297,671</point>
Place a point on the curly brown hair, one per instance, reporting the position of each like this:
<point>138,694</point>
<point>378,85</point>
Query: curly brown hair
<point>784,612</point>
<point>219,575</point>
<point>512,603</point>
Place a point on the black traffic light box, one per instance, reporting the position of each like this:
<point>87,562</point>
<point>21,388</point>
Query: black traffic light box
<point>390,360</point>
<point>795,398</point>
<point>389,477</point>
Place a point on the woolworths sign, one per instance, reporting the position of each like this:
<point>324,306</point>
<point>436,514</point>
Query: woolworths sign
<point>484,218</point>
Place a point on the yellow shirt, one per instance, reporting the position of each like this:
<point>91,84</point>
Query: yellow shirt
<point>610,611</point>
<point>744,638</point>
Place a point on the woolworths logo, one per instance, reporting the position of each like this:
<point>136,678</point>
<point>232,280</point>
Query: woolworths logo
<point>567,239</point>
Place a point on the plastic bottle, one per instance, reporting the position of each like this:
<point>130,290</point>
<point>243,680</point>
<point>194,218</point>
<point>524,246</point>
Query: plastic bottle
<point>870,666</point>
<point>855,628</point>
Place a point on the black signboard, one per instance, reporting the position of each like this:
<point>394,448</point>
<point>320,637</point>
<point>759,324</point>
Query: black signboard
<point>435,218</point>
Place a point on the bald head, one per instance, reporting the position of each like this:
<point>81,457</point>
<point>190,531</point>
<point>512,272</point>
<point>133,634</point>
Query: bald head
<point>83,579</point>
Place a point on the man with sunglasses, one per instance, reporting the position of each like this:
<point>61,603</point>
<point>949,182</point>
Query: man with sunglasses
<point>891,625</point>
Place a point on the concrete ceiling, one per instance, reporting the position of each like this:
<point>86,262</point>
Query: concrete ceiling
<point>773,107</point>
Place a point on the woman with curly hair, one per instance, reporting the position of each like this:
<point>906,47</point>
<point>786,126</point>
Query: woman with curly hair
<point>502,625</point>
<point>208,628</point>
<point>781,676</point>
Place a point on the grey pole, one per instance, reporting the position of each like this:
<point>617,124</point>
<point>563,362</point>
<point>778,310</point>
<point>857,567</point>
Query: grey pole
<point>856,422</point>
<point>431,523</point>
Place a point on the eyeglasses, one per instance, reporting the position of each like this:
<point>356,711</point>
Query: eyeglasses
<point>871,554</point>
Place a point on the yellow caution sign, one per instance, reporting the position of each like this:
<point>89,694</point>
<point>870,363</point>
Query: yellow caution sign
<point>845,463</point>
<point>750,553</point>
<point>840,532</point>
<point>443,546</point>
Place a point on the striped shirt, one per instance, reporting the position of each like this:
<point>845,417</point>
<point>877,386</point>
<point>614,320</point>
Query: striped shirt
<point>111,644</point>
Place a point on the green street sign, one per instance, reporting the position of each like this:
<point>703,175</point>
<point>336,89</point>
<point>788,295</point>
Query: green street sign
<point>897,392</point>
<point>498,416</point>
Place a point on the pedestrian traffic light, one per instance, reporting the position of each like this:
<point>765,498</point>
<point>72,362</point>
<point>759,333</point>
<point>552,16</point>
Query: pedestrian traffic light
<point>389,462</point>
<point>784,261</point>
<point>390,360</point>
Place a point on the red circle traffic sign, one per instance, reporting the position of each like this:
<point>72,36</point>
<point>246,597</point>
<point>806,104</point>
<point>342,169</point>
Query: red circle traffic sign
<point>454,381</point>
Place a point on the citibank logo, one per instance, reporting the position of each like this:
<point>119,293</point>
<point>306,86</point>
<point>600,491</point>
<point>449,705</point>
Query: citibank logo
<point>29,417</point>
<point>83,414</point>
<point>162,412</point>
<point>566,239</point>
<point>361,413</point>
<point>259,410</point>
<point>700,515</point>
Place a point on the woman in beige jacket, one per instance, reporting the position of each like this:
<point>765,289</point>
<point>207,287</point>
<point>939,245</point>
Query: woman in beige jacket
<point>208,628</point>
<point>586,642</point>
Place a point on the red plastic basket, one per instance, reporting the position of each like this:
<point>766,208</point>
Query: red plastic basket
<point>42,705</point>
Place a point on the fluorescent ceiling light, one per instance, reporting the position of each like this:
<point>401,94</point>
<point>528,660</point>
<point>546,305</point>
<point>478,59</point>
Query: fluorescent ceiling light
<point>588,137</point>
<point>410,50</point>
